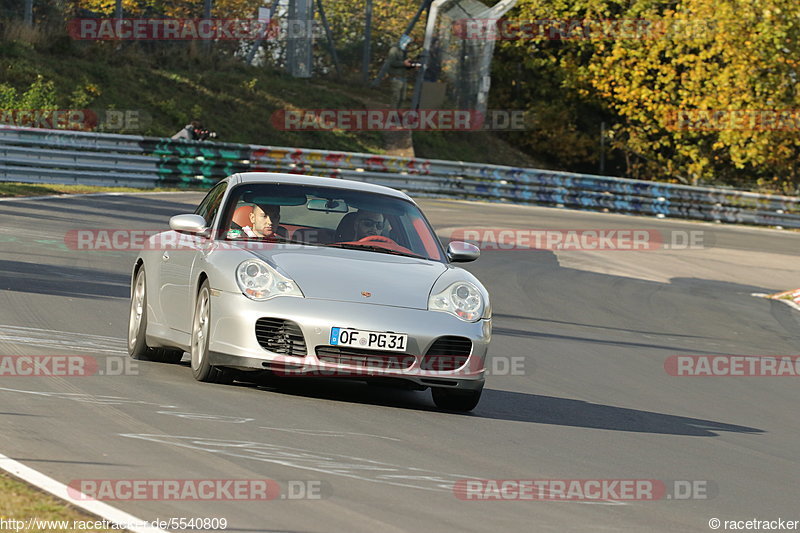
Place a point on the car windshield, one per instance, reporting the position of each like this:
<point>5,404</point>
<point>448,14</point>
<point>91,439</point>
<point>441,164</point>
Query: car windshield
<point>329,216</point>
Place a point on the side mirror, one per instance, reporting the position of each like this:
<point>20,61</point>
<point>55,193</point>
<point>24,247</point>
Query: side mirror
<point>462,252</point>
<point>194,224</point>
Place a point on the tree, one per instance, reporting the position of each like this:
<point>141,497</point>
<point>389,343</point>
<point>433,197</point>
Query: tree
<point>389,19</point>
<point>700,55</point>
<point>174,8</point>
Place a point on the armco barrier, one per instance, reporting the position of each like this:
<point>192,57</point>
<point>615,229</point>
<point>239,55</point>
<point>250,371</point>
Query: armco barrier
<point>58,156</point>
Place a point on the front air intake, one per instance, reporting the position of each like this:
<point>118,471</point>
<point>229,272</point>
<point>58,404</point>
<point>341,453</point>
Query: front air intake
<point>447,353</point>
<point>280,336</point>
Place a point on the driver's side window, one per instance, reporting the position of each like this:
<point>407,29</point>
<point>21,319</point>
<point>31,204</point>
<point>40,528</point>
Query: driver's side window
<point>210,205</point>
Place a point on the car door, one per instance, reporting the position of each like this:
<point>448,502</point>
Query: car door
<point>176,266</point>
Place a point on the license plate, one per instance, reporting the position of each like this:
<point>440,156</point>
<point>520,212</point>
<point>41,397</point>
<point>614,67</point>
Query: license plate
<point>373,340</point>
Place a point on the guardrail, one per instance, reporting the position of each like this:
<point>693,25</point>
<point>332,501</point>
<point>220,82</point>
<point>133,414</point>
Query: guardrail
<point>58,156</point>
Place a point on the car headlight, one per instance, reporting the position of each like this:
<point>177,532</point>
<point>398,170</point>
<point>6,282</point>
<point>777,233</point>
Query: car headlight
<point>461,299</point>
<point>259,281</point>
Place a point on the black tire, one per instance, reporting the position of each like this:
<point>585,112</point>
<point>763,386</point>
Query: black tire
<point>166,355</point>
<point>456,400</point>
<point>137,327</point>
<point>202,369</point>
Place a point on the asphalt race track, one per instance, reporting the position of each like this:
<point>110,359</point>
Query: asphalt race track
<point>588,333</point>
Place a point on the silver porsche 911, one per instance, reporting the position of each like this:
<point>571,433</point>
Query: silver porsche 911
<point>307,276</point>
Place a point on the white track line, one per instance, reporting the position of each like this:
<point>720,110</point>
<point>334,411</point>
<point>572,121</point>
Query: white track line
<point>48,484</point>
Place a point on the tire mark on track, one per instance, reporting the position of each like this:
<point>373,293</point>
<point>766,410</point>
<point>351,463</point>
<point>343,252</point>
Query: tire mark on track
<point>62,340</point>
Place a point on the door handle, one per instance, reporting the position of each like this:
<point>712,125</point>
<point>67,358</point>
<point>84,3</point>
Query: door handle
<point>165,257</point>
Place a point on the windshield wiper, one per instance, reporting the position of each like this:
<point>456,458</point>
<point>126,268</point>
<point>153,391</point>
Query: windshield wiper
<point>374,248</point>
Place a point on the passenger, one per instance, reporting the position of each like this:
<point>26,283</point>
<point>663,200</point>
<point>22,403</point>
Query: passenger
<point>264,224</point>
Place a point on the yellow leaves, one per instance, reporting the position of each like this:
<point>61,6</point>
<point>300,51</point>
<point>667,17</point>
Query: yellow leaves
<point>721,69</point>
<point>175,8</point>
<point>250,85</point>
<point>714,55</point>
<point>92,89</point>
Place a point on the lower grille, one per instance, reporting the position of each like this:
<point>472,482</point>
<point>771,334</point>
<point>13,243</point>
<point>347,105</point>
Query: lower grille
<point>447,353</point>
<point>364,358</point>
<point>280,336</point>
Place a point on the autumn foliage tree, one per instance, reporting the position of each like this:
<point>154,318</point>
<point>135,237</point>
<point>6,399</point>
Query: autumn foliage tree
<point>667,92</point>
<point>346,20</point>
<point>175,8</point>
<point>726,56</point>
<point>389,19</point>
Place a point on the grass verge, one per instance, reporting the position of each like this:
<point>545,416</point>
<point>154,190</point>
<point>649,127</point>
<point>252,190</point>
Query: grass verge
<point>22,502</point>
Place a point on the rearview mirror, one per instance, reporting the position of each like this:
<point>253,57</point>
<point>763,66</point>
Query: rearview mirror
<point>329,206</point>
<point>194,224</point>
<point>462,252</point>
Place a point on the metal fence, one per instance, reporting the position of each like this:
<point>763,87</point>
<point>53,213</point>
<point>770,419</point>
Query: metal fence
<point>57,156</point>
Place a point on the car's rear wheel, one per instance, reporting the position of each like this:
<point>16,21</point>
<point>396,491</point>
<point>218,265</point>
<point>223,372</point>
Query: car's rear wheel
<point>202,369</point>
<point>456,400</point>
<point>137,327</point>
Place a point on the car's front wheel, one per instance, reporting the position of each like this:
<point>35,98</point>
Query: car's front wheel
<point>456,400</point>
<point>202,369</point>
<point>137,327</point>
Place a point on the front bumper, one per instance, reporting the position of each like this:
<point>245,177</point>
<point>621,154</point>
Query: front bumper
<point>233,341</point>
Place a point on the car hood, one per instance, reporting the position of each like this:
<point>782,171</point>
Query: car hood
<point>358,276</point>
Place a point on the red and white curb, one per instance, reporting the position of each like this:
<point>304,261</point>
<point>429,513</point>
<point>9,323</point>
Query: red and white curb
<point>790,298</point>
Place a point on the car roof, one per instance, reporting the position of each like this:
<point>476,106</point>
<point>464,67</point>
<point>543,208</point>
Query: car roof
<point>316,181</point>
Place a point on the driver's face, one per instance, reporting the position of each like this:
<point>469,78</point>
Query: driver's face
<point>368,224</point>
<point>264,224</point>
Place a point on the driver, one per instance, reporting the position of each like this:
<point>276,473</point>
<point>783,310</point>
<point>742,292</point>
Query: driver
<point>367,224</point>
